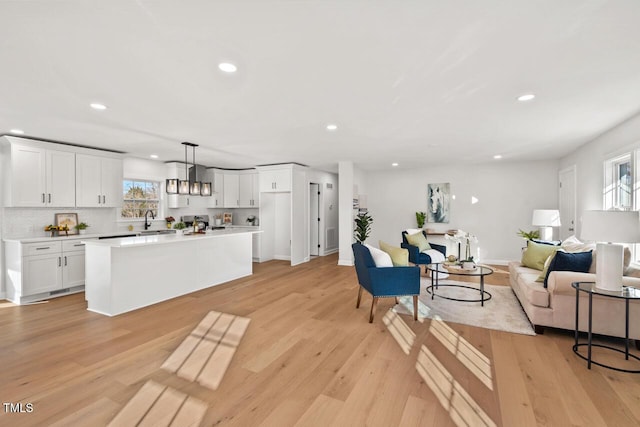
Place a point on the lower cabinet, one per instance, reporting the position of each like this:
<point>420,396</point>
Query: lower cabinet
<point>47,269</point>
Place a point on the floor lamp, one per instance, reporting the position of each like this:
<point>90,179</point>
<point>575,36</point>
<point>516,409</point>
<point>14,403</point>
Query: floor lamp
<point>614,227</point>
<point>545,219</point>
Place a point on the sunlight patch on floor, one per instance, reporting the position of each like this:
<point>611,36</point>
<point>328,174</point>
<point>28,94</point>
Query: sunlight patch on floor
<point>158,405</point>
<point>467,354</point>
<point>206,353</point>
<point>463,410</point>
<point>399,330</point>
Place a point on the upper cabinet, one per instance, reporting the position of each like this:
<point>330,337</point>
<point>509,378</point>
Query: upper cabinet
<point>231,190</point>
<point>275,179</point>
<point>98,181</point>
<point>248,189</point>
<point>39,177</point>
<point>44,174</point>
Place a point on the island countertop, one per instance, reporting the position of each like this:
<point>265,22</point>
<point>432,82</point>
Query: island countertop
<point>128,273</point>
<point>163,239</point>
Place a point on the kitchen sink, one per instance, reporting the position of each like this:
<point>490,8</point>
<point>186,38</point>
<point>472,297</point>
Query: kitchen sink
<point>155,232</point>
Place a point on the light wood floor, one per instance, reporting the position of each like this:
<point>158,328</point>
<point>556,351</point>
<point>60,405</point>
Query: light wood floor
<point>307,357</point>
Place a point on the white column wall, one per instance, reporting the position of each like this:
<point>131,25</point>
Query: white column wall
<point>345,199</point>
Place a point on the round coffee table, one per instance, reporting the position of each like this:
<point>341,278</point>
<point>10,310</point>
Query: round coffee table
<point>480,271</point>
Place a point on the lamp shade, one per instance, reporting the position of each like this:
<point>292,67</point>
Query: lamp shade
<point>611,226</point>
<point>546,218</point>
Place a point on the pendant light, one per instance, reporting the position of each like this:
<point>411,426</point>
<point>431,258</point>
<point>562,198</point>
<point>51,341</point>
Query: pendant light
<point>195,188</point>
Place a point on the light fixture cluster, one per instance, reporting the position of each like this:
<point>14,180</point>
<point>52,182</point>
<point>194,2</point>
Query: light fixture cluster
<point>194,188</point>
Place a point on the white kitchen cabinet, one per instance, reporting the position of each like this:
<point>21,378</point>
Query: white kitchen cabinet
<point>44,269</point>
<point>275,180</point>
<point>248,189</point>
<point>42,273</point>
<point>217,197</point>
<point>39,177</point>
<point>98,181</point>
<point>283,214</point>
<point>231,190</point>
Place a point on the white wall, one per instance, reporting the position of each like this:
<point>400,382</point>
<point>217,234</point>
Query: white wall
<point>507,194</point>
<point>589,161</point>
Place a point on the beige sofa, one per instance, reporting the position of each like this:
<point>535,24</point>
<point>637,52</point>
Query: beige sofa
<point>555,305</point>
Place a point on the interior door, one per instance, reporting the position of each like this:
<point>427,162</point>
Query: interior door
<point>314,219</point>
<point>567,202</point>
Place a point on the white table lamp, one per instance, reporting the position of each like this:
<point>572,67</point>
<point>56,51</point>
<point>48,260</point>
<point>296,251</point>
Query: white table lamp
<point>545,219</point>
<point>614,227</point>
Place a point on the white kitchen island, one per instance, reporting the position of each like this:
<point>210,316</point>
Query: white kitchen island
<point>128,273</point>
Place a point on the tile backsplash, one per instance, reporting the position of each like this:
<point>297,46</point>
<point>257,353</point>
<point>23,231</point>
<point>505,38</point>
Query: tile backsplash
<point>30,222</point>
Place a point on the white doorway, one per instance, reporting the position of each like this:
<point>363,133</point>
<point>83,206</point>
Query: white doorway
<point>567,202</point>
<point>314,219</point>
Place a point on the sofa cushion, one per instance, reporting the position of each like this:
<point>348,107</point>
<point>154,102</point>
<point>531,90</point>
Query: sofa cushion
<point>534,292</point>
<point>545,270</point>
<point>399,256</point>
<point>380,257</point>
<point>563,261</point>
<point>536,254</point>
<point>418,240</point>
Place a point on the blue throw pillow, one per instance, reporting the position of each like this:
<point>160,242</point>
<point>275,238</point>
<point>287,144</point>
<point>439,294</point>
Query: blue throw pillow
<point>545,242</point>
<point>566,261</point>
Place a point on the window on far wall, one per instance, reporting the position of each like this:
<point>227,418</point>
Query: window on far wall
<point>140,196</point>
<point>618,183</point>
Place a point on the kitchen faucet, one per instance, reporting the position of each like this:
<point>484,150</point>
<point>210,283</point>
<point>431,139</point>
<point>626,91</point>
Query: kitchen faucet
<point>146,223</point>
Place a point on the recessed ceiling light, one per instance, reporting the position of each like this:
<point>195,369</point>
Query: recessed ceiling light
<point>154,156</point>
<point>227,67</point>
<point>332,127</point>
<point>526,97</point>
<point>497,156</point>
<point>17,131</point>
<point>394,164</point>
<point>97,106</point>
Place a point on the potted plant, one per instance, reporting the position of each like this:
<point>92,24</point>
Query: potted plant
<point>468,264</point>
<point>420,218</point>
<point>363,226</point>
<point>179,227</point>
<point>529,235</point>
<point>81,227</point>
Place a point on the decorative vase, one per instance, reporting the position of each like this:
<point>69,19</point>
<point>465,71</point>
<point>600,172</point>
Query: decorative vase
<point>83,231</point>
<point>468,265</point>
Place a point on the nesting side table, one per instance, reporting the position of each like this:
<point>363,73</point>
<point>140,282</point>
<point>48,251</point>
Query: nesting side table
<point>627,294</point>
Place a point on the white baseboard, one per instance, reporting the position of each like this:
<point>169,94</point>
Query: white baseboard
<point>345,262</point>
<point>3,295</point>
<point>330,251</point>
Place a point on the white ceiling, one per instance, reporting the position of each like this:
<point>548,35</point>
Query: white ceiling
<point>413,82</point>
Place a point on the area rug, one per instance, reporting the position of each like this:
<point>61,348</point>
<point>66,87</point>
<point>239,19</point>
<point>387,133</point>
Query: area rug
<point>502,312</point>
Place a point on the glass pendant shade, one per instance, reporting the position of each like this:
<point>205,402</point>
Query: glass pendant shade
<point>205,189</point>
<point>172,186</point>
<point>183,187</point>
<point>195,188</point>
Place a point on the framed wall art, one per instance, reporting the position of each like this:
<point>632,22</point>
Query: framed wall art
<point>68,220</point>
<point>439,196</point>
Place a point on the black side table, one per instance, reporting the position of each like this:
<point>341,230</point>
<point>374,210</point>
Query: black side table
<point>627,294</point>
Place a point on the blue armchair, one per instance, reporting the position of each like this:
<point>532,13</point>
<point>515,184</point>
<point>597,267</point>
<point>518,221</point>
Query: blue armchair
<point>417,257</point>
<point>384,282</point>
